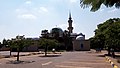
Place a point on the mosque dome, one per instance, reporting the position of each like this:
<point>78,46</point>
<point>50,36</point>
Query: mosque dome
<point>57,31</point>
<point>80,37</point>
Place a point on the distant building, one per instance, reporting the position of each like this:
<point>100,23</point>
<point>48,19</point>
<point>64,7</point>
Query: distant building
<point>76,42</point>
<point>81,44</point>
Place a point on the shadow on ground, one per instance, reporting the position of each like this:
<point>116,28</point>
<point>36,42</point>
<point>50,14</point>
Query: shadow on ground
<point>101,55</point>
<point>19,62</point>
<point>116,56</point>
<point>50,56</point>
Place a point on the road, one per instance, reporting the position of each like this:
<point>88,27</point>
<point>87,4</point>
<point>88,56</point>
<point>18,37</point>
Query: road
<point>65,60</point>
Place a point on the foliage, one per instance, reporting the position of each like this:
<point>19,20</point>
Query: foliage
<point>45,33</point>
<point>96,4</point>
<point>28,42</point>
<point>23,42</point>
<point>67,40</point>
<point>108,34</point>
<point>0,45</point>
<point>51,43</point>
<point>4,42</point>
<point>20,42</point>
<point>93,43</point>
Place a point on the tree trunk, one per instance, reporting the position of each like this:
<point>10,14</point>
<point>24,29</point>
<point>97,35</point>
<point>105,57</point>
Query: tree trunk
<point>46,50</point>
<point>18,55</point>
<point>113,54</point>
<point>10,51</point>
<point>109,51</point>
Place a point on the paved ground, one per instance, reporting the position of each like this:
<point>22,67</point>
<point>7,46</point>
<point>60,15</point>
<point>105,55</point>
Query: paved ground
<point>13,53</point>
<point>65,60</point>
<point>115,59</point>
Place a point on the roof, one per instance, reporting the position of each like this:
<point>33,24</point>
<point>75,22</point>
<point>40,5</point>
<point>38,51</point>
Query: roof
<point>56,30</point>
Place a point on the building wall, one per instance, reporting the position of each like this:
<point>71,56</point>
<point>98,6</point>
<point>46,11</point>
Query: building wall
<point>81,45</point>
<point>31,48</point>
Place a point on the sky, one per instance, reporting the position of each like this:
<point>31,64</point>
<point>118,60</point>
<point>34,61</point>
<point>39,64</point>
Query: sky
<point>30,17</point>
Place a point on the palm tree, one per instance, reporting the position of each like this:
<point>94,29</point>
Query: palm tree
<point>96,4</point>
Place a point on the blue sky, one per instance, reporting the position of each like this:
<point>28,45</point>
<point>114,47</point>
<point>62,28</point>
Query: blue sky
<point>29,17</point>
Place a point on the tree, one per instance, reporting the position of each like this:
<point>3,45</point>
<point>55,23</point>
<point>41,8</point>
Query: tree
<point>10,43</point>
<point>67,40</point>
<point>108,34</point>
<point>48,43</point>
<point>18,43</point>
<point>0,45</point>
<point>27,42</point>
<point>45,33</point>
<point>96,4</point>
<point>5,43</point>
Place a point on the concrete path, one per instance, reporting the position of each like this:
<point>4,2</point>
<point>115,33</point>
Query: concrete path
<point>65,60</point>
<point>13,53</point>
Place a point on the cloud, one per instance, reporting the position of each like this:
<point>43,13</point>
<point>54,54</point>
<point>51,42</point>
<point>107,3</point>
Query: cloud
<point>27,16</point>
<point>43,9</point>
<point>73,1</point>
<point>21,10</point>
<point>111,11</point>
<point>28,2</point>
<point>17,10</point>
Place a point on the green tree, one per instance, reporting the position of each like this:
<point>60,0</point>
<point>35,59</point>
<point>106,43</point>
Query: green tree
<point>94,43</point>
<point>4,42</point>
<point>45,33</point>
<point>10,43</point>
<point>96,4</point>
<point>27,42</point>
<point>108,34</point>
<point>18,43</point>
<point>48,43</point>
<point>53,43</point>
<point>67,40</point>
<point>0,45</point>
<point>44,42</point>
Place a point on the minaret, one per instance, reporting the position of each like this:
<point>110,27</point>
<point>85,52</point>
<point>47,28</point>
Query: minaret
<point>70,28</point>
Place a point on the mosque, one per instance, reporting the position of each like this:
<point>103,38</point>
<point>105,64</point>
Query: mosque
<point>69,41</point>
<point>77,41</point>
